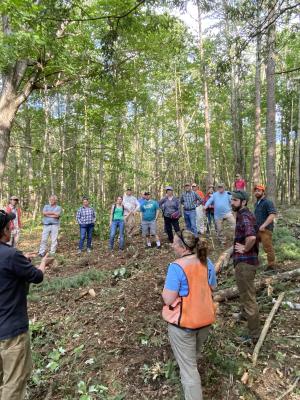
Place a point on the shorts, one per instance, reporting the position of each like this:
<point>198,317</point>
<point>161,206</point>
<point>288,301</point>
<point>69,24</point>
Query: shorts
<point>148,225</point>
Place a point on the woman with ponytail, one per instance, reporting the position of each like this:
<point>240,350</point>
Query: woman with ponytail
<point>189,308</point>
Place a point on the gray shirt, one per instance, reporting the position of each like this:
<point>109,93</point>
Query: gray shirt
<point>50,220</point>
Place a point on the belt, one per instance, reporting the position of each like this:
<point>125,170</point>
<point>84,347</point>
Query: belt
<point>189,209</point>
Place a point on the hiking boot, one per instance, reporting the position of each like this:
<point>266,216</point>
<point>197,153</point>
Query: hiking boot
<point>79,251</point>
<point>89,250</point>
<point>41,255</point>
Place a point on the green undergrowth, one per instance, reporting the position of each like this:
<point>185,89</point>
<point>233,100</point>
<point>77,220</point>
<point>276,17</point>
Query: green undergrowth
<point>286,245</point>
<point>72,282</point>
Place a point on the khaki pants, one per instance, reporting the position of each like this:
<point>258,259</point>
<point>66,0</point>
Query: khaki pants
<point>244,275</point>
<point>14,237</point>
<point>265,237</point>
<point>200,219</point>
<point>15,366</point>
<point>51,230</point>
<point>186,347</point>
<point>219,226</point>
<point>130,224</point>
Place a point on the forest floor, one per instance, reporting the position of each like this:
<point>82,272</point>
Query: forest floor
<point>111,344</point>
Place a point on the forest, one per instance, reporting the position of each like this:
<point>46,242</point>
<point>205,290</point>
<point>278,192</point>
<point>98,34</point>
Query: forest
<point>98,96</point>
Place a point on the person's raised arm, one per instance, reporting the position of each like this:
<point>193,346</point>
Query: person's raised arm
<point>209,202</point>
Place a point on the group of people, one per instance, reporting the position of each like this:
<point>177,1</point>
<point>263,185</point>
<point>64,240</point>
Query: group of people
<point>187,294</point>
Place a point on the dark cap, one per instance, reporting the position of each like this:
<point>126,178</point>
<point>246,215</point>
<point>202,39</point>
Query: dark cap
<point>146,193</point>
<point>240,194</point>
<point>5,218</point>
<point>129,189</point>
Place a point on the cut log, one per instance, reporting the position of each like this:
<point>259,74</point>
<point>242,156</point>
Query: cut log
<point>223,260</point>
<point>232,292</point>
<point>266,328</point>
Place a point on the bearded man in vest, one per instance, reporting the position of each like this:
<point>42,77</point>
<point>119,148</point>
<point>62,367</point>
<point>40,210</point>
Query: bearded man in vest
<point>189,308</point>
<point>245,259</point>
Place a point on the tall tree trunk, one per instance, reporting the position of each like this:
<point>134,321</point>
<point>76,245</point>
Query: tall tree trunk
<point>208,157</point>
<point>270,123</point>
<point>258,135</point>
<point>297,152</point>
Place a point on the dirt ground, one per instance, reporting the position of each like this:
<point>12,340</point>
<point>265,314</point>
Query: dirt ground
<point>112,344</point>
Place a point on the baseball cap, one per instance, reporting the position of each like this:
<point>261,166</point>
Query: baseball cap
<point>221,184</point>
<point>194,184</point>
<point>129,189</point>
<point>147,193</point>
<point>5,218</point>
<point>14,198</point>
<point>240,194</point>
<point>169,188</point>
<point>260,187</point>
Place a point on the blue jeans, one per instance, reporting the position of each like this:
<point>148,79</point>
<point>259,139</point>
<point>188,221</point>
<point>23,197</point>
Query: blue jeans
<point>86,230</point>
<point>190,221</point>
<point>117,223</point>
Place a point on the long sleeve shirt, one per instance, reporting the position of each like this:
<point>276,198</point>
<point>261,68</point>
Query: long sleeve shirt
<point>190,200</point>
<point>16,272</point>
<point>131,204</point>
<point>86,216</point>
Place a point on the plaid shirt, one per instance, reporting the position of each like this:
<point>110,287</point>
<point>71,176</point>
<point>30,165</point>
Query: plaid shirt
<point>85,216</point>
<point>245,226</point>
<point>190,200</point>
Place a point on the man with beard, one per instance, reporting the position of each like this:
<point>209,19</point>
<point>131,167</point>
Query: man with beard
<point>265,214</point>
<point>245,258</point>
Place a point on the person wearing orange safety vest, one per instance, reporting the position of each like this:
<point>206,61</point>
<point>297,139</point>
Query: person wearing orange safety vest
<point>189,308</point>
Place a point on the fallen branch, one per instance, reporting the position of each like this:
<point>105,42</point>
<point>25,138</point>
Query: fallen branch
<point>223,260</point>
<point>266,328</point>
<point>232,292</point>
<point>289,390</point>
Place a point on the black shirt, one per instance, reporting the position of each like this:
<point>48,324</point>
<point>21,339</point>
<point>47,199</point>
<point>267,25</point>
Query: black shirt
<point>16,271</point>
<point>263,208</point>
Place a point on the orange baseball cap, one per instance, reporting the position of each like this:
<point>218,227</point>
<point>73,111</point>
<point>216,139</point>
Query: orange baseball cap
<point>260,187</point>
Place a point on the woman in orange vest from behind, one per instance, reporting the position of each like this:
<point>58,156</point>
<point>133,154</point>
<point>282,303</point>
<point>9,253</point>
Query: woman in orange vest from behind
<point>189,308</point>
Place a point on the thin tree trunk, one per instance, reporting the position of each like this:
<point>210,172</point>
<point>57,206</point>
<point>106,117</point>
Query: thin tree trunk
<point>297,151</point>
<point>270,125</point>
<point>258,135</point>
<point>207,136</point>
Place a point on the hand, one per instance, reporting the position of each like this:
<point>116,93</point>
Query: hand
<point>30,255</point>
<point>46,260</point>
<point>239,248</point>
<point>262,228</point>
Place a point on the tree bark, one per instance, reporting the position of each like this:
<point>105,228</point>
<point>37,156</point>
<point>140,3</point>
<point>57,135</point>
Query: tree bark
<point>258,135</point>
<point>270,126</point>
<point>297,152</point>
<point>207,137</point>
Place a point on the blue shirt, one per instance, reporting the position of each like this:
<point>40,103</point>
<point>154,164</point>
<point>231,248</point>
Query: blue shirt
<point>142,201</point>
<point>263,208</point>
<point>149,209</point>
<point>221,202</point>
<point>50,220</point>
<point>176,279</point>
<point>16,272</point>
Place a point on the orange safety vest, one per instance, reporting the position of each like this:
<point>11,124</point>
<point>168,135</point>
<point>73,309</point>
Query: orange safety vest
<point>195,310</point>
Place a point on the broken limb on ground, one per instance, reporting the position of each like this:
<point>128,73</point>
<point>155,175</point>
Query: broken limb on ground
<point>97,331</point>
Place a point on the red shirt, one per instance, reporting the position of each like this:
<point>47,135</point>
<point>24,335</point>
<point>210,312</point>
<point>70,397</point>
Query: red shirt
<point>240,184</point>
<point>200,194</point>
